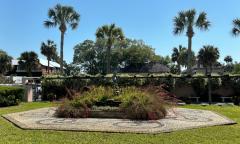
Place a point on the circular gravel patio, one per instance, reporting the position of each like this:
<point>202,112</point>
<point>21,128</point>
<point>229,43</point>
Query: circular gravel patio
<point>177,119</point>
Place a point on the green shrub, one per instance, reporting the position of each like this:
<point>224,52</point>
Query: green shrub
<point>215,83</point>
<point>96,94</point>
<point>55,87</point>
<point>198,85</point>
<point>10,95</point>
<point>182,82</point>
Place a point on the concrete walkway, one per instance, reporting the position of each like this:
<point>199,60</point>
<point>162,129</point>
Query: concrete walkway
<point>177,119</point>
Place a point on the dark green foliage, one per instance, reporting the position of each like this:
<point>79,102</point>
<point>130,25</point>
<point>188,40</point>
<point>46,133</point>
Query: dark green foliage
<point>127,56</point>
<point>49,49</point>
<point>236,98</point>
<point>29,61</point>
<point>5,62</point>
<point>182,82</point>
<point>10,96</point>
<point>236,68</point>
<point>215,83</point>
<point>66,88</point>
<point>53,87</point>
<point>199,85</point>
<point>226,81</point>
<point>208,56</point>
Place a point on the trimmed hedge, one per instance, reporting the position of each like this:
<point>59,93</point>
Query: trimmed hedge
<point>10,95</point>
<point>58,86</point>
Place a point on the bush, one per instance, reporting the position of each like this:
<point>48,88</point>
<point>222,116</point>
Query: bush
<point>10,96</point>
<point>67,110</point>
<point>60,87</point>
<point>92,97</point>
<point>135,103</point>
<point>142,105</point>
<point>53,87</point>
<point>215,83</point>
<point>198,85</point>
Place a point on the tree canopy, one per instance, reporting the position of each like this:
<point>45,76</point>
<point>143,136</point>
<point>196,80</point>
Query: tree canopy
<point>130,54</point>
<point>5,62</point>
<point>29,61</point>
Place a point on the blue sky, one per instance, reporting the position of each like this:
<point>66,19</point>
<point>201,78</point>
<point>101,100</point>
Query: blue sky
<point>21,26</point>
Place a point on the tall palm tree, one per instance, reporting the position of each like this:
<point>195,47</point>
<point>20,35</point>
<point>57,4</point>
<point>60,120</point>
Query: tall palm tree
<point>49,50</point>
<point>176,56</point>
<point>187,20</point>
<point>29,61</point>
<point>62,16</point>
<point>110,33</point>
<point>208,56</point>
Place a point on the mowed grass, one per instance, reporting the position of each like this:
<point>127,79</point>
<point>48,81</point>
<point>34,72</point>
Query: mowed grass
<point>10,134</point>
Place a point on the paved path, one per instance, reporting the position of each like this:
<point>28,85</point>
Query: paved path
<point>177,119</point>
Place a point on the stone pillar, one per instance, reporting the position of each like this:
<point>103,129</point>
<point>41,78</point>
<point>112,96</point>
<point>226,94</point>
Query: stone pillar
<point>29,93</point>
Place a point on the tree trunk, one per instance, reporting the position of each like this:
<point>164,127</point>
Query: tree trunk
<point>189,70</point>
<point>108,60</point>
<point>179,68</point>
<point>61,52</point>
<point>29,71</point>
<point>210,85</point>
<point>48,67</point>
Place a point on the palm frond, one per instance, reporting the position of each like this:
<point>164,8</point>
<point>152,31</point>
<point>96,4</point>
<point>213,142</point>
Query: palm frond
<point>179,25</point>
<point>202,21</point>
<point>74,25</point>
<point>49,24</point>
<point>236,27</point>
<point>190,16</point>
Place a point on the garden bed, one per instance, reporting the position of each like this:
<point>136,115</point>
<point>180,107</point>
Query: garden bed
<point>102,102</point>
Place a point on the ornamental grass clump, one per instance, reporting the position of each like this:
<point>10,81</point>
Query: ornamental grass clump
<point>134,103</point>
<point>142,105</point>
<point>80,105</point>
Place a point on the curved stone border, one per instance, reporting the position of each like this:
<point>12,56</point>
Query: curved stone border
<point>177,119</point>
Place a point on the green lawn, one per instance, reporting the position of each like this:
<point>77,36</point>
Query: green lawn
<point>218,134</point>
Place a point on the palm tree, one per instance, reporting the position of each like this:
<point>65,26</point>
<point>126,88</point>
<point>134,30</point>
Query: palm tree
<point>208,56</point>
<point>62,16</point>
<point>49,50</point>
<point>5,62</point>
<point>29,61</point>
<point>110,33</point>
<point>176,56</point>
<point>236,27</point>
<point>187,20</point>
<point>229,65</point>
<point>228,59</point>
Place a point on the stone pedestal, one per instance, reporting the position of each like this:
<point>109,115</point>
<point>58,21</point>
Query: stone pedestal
<point>29,93</point>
